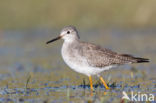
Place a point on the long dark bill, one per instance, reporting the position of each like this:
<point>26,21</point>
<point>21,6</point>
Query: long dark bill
<point>57,38</point>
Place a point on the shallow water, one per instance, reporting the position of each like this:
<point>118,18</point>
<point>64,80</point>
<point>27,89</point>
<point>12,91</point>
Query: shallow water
<point>34,72</point>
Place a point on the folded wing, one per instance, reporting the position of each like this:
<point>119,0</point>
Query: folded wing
<point>99,57</point>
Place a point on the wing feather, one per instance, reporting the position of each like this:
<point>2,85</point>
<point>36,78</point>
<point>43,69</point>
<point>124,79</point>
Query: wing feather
<point>101,57</point>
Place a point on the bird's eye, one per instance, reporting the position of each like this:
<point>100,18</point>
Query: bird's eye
<point>68,32</point>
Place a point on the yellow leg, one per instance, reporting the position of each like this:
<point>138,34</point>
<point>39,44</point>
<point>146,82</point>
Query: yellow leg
<point>91,83</point>
<point>104,83</point>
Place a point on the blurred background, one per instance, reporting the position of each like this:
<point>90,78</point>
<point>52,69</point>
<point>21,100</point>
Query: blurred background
<point>125,26</point>
<point>26,14</point>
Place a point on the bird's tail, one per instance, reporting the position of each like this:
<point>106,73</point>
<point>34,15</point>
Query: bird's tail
<point>132,59</point>
<point>141,60</point>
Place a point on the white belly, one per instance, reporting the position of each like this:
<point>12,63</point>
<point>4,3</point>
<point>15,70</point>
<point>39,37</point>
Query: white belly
<point>87,70</point>
<point>84,68</point>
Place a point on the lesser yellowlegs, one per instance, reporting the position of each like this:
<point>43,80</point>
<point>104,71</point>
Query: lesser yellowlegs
<point>88,58</point>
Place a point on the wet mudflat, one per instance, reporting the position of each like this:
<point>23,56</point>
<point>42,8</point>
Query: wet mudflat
<point>31,71</point>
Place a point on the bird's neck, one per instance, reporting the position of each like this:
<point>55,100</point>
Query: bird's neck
<point>70,41</point>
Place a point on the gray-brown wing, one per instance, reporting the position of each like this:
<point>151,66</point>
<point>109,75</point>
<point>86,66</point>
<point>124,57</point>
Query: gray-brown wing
<point>99,57</point>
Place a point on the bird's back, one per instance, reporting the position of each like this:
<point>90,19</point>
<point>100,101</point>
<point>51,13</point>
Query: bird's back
<point>97,56</point>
